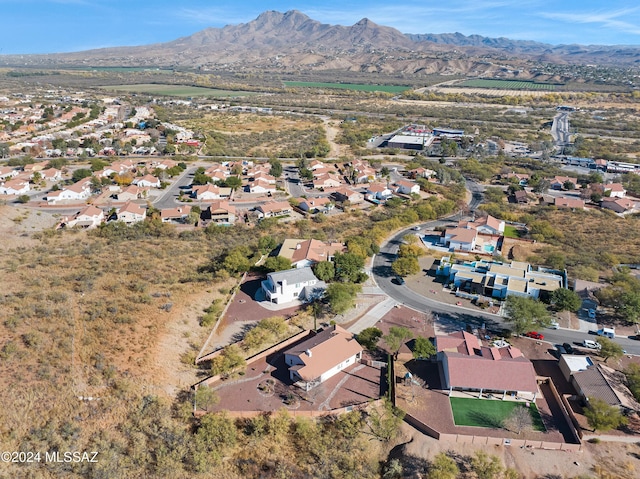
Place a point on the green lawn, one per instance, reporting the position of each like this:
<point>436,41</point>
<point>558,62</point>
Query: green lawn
<point>177,90</point>
<point>489,413</point>
<point>511,232</point>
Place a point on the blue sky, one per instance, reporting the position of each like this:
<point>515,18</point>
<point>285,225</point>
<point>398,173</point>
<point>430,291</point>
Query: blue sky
<point>45,26</point>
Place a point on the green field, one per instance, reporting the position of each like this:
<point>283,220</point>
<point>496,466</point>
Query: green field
<point>177,90</point>
<point>506,84</point>
<point>349,86</point>
<point>489,413</point>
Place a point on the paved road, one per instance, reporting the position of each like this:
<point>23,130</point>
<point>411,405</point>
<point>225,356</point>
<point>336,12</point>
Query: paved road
<point>167,199</point>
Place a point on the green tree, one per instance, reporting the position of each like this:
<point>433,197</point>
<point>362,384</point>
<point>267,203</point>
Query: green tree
<point>632,373</point>
<point>406,266</point>
<point>398,335</point>
<point>423,348</point>
<point>609,349</point>
<point>603,417</point>
<point>4,150</point>
<point>566,300</point>
<point>526,314</point>
<point>23,199</point>
<point>384,422</point>
<point>81,173</point>
<point>233,182</point>
<point>443,467</point>
<point>276,168</point>
<point>369,338</point>
<point>348,266</point>
<point>205,398</point>
<point>486,466</point>
<point>341,296</point>
<point>267,244</point>
<point>630,307</point>
<point>277,263</point>
<point>237,261</point>
<point>325,270</point>
<point>410,250</point>
<point>229,361</point>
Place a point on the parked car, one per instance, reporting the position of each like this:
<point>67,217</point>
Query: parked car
<point>592,313</point>
<point>416,228</point>
<point>560,350</point>
<point>534,335</point>
<point>587,343</point>
<point>554,325</point>
<point>568,348</point>
<point>399,280</point>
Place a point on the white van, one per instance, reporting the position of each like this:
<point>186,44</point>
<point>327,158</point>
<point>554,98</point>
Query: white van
<point>606,332</point>
<point>587,343</point>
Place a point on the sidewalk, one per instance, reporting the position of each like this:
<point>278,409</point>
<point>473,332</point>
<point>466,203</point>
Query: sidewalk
<point>373,316</point>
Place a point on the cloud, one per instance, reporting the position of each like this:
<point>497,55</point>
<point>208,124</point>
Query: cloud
<point>608,20</point>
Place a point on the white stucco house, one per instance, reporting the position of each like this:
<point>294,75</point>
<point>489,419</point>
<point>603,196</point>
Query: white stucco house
<point>131,213</point>
<point>89,217</point>
<point>147,181</point>
<point>292,284</point>
<point>322,356</point>
<point>406,187</point>
<point>14,187</point>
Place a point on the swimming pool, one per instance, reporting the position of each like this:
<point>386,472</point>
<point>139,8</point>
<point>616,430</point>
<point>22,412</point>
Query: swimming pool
<point>488,248</point>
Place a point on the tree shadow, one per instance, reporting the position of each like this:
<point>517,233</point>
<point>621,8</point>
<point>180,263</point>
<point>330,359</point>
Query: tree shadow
<point>487,420</point>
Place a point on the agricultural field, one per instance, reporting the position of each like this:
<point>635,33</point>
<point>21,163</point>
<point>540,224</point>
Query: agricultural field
<point>348,86</point>
<point>506,84</point>
<point>177,90</point>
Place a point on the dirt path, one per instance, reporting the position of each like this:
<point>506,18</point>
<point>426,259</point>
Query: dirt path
<point>332,129</point>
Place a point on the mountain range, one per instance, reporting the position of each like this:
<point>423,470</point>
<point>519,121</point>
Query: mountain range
<point>292,41</point>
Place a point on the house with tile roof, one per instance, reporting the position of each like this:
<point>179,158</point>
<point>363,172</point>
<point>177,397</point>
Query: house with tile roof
<point>320,357</point>
<point>147,181</point>
<point>462,239</point>
<point>615,190</point>
<point>89,217</point>
<point>132,192</point>
<point>178,214</point>
<point>291,285</point>
<point>468,365</point>
<point>315,205</point>
<point>131,213</point>
<point>406,187</point>
<point>260,185</point>
<point>565,202</point>
<point>14,187</point>
<point>210,192</point>
<point>618,205</point>
<point>557,182</point>
<point>378,191</point>
<point>220,212</point>
<point>342,195</point>
<point>274,208</point>
<point>303,253</point>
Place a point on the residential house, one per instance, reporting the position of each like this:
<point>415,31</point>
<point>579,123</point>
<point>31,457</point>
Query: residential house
<point>618,205</point>
<point>51,174</point>
<point>6,173</point>
<point>260,186</point>
<point>274,208</point>
<point>14,187</point>
<point>572,203</point>
<point>520,197</point>
<point>378,192</point>
<point>165,164</point>
<point>469,366</point>
<point>342,195</point>
<point>421,173</point>
<point>303,253</point>
<point>210,192</point>
<point>406,187</point>
<point>147,181</point>
<point>220,212</point>
<point>316,164</point>
<point>264,177</point>
<point>521,178</point>
<point>315,205</point>
<point>558,182</point>
<point>486,224</point>
<point>595,380</point>
<point>499,280</point>
<point>323,355</point>
<point>463,239</point>
<point>291,285</point>
<point>79,191</point>
<point>132,192</point>
<point>89,217</point>
<point>327,180</point>
<point>178,214</point>
<point>615,190</point>
<point>131,213</point>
